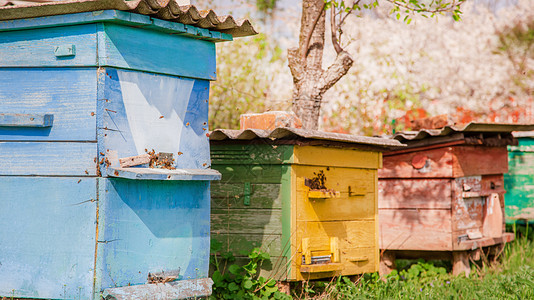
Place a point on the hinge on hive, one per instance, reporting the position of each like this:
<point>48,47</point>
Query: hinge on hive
<point>246,200</point>
<point>306,252</point>
<point>334,249</point>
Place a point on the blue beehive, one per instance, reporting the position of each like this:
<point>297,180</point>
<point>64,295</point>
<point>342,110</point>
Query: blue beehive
<point>78,92</point>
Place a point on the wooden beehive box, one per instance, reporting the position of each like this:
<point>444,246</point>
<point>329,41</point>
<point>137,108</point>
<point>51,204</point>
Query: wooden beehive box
<point>443,195</point>
<point>519,181</point>
<point>80,91</point>
<point>264,200</point>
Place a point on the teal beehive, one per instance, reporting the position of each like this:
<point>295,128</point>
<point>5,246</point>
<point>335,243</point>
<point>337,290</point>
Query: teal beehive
<point>519,181</point>
<point>84,85</point>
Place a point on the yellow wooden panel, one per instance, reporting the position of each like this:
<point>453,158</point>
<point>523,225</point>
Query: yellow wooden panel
<point>294,246</point>
<point>357,194</point>
<point>356,241</point>
<point>335,157</point>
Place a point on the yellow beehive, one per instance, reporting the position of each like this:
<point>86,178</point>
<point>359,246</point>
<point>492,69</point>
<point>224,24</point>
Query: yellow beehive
<point>268,197</point>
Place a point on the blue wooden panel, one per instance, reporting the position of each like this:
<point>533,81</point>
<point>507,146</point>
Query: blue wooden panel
<point>67,93</point>
<point>44,158</point>
<point>153,51</point>
<point>151,226</point>
<point>152,111</point>
<point>47,237</point>
<point>35,48</point>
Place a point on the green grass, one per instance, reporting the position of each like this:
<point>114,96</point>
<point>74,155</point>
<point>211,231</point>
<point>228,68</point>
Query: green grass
<point>510,277</point>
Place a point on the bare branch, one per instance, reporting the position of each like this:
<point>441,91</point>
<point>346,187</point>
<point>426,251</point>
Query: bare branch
<point>304,50</point>
<point>333,31</point>
<point>338,69</point>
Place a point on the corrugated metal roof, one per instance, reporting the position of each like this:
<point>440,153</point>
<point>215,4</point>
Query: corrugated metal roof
<point>294,133</point>
<point>162,9</point>
<point>469,128</point>
<point>520,134</point>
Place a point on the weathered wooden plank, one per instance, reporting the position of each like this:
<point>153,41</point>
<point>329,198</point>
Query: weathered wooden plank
<point>232,195</point>
<point>151,226</point>
<point>134,160</point>
<point>35,48</point>
<point>48,237</point>
<point>66,93</point>
<point>334,157</point>
<point>44,158</point>
<point>26,120</point>
<point>484,242</point>
<point>242,243</point>
<point>469,203</point>
<point>411,229</point>
<point>360,204</point>
<point>437,163</point>
<point>163,174</point>
<point>129,47</point>
<point>414,193</point>
<point>180,289</point>
<point>250,221</point>
<point>266,174</point>
<point>251,154</point>
<point>479,160</point>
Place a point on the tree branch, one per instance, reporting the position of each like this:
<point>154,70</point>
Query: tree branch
<point>295,64</point>
<point>338,69</point>
<point>304,49</point>
<point>333,31</point>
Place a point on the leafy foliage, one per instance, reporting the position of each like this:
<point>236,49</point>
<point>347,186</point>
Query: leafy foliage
<point>233,281</point>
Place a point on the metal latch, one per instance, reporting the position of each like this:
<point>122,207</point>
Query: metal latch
<point>246,200</point>
<point>65,50</point>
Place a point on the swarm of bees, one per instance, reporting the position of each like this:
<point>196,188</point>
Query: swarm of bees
<point>160,160</point>
<point>318,182</point>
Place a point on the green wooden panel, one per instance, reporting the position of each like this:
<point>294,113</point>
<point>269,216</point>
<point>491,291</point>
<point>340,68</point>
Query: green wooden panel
<point>527,141</point>
<point>232,195</point>
<point>240,244</point>
<point>521,162</point>
<point>234,173</point>
<point>519,182</point>
<point>519,197</point>
<point>248,221</point>
<point>251,154</point>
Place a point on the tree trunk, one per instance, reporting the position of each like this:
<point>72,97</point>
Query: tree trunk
<point>309,79</point>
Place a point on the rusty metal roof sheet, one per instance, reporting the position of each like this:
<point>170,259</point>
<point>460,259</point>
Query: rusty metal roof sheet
<point>294,133</point>
<point>162,9</point>
<point>469,128</point>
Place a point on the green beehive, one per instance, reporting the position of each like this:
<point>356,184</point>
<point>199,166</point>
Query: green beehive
<point>519,182</point>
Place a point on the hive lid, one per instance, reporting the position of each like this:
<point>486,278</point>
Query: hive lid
<point>472,127</point>
<point>286,133</point>
<point>168,10</point>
